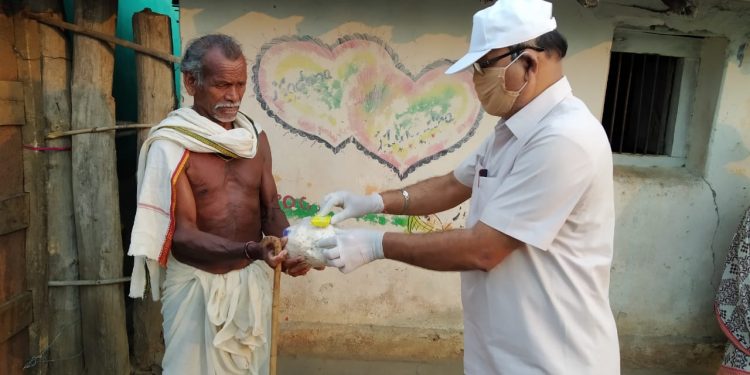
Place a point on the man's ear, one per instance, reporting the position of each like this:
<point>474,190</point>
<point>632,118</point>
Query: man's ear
<point>532,64</point>
<point>189,82</point>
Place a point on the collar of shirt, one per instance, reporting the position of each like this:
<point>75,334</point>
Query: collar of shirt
<point>524,121</point>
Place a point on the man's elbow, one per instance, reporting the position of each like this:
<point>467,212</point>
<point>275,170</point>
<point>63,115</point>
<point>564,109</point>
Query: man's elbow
<point>181,238</point>
<point>489,247</point>
<point>487,259</point>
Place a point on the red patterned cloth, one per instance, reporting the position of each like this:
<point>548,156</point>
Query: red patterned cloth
<point>732,302</point>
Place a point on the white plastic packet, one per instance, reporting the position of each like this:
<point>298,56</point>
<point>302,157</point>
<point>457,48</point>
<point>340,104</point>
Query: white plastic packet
<point>303,236</point>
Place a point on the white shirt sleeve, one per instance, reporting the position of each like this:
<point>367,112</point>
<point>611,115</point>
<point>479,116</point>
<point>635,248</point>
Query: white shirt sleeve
<point>545,183</point>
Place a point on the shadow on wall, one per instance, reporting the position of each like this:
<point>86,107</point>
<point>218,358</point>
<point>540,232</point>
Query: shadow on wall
<point>439,17</point>
<point>729,175</point>
<point>740,167</point>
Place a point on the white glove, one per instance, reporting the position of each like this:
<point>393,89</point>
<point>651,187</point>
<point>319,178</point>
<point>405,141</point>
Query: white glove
<point>350,249</point>
<point>354,205</point>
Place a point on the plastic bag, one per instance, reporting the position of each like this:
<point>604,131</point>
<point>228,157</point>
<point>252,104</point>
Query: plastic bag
<point>303,236</point>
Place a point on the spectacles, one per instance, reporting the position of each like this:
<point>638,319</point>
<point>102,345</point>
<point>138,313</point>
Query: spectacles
<point>479,66</point>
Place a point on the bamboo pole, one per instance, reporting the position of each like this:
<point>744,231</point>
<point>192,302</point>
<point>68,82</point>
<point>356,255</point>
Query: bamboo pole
<point>97,213</point>
<point>104,37</point>
<point>64,304</point>
<point>156,98</point>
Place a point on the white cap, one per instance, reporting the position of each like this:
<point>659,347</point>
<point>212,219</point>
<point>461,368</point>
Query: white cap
<point>505,23</point>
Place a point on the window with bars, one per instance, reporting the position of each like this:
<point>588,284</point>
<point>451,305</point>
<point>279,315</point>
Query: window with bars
<point>649,95</point>
<point>638,102</point>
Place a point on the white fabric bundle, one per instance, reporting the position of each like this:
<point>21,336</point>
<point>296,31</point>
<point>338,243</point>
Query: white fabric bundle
<point>302,239</point>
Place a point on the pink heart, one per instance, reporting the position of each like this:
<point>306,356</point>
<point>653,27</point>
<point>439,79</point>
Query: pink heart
<point>357,91</point>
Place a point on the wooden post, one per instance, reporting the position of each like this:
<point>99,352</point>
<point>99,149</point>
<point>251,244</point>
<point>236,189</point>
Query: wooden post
<point>14,205</point>
<point>156,98</point>
<point>35,176</point>
<point>64,305</point>
<point>95,193</point>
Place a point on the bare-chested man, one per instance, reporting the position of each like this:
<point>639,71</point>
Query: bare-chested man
<point>222,203</point>
<point>214,164</point>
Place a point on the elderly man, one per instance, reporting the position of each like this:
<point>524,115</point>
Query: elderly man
<point>536,252</point>
<point>206,198</point>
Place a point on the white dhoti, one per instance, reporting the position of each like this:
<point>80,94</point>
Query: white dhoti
<point>216,324</point>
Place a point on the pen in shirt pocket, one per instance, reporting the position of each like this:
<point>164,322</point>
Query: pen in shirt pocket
<point>482,173</point>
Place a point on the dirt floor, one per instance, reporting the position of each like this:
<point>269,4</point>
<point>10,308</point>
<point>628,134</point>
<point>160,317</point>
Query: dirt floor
<point>316,366</point>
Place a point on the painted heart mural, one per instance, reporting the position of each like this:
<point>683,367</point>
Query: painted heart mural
<point>357,91</point>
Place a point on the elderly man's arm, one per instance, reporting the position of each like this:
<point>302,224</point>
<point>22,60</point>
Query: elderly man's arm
<point>273,220</point>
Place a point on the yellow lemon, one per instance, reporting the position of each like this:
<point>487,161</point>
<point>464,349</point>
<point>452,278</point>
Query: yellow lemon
<point>320,221</point>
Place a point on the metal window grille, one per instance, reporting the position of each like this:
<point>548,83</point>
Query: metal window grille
<point>638,102</point>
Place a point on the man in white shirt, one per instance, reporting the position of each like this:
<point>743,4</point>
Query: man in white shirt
<point>536,252</point>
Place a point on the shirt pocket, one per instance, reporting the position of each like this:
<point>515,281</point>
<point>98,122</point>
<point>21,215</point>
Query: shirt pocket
<point>481,194</point>
<point>482,176</point>
<point>486,187</point>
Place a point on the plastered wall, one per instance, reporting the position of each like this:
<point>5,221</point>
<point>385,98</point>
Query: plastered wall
<point>352,96</point>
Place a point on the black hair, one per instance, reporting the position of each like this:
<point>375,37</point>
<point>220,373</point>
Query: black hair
<point>552,42</point>
<point>192,60</point>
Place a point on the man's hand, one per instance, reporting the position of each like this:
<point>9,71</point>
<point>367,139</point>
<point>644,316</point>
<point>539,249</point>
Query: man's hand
<point>270,250</point>
<point>350,249</point>
<point>295,266</point>
<point>353,205</point>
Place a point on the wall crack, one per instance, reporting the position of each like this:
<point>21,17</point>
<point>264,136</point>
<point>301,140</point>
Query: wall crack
<point>716,231</point>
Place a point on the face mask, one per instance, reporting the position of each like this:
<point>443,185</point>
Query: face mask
<point>496,99</point>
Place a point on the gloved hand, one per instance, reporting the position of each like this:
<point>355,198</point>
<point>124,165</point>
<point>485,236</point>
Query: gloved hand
<point>352,248</point>
<point>354,205</point>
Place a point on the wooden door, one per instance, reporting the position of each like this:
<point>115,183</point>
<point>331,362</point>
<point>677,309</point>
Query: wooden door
<point>23,274</point>
<point>15,299</point>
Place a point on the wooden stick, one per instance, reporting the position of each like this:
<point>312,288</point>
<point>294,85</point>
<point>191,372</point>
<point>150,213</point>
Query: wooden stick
<point>275,305</point>
<point>589,3</point>
<point>105,37</point>
<point>88,282</point>
<point>275,318</point>
<point>68,133</point>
